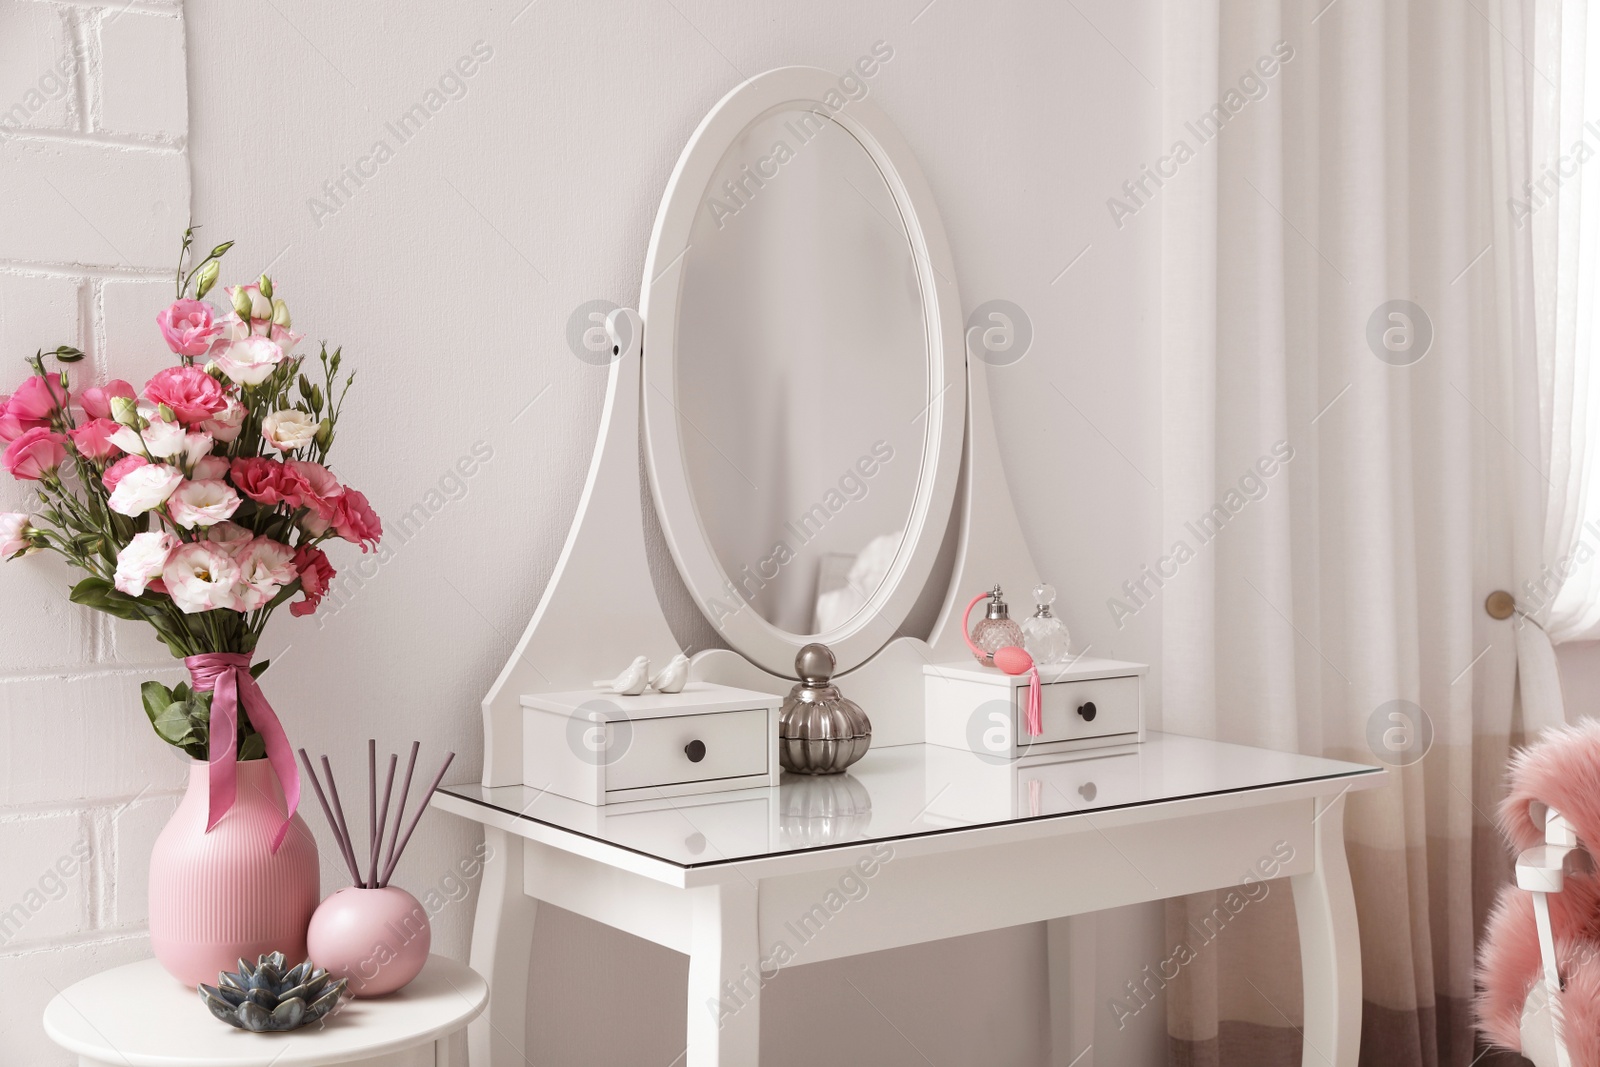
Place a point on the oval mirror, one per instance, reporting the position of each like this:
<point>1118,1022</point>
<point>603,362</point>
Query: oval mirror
<point>804,385</point>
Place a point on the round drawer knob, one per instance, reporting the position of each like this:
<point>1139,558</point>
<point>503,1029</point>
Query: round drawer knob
<point>1087,710</point>
<point>1088,792</point>
<point>695,750</point>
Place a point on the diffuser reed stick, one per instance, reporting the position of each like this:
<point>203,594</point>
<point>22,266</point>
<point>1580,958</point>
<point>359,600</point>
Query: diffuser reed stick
<point>380,862</point>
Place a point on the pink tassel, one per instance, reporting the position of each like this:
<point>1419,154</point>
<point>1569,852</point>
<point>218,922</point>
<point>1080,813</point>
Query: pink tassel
<point>1035,704</point>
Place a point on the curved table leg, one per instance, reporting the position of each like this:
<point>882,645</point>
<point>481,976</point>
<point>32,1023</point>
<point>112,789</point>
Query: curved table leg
<point>724,978</point>
<point>1330,946</point>
<point>502,946</point>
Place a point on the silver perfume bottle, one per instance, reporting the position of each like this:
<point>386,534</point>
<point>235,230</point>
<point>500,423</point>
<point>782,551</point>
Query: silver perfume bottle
<point>820,731</point>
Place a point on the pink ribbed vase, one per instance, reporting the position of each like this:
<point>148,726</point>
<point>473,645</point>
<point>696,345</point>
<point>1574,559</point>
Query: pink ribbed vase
<point>223,896</point>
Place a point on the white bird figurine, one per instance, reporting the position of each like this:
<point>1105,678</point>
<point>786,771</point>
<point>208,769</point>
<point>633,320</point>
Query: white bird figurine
<point>631,682</point>
<point>673,675</point>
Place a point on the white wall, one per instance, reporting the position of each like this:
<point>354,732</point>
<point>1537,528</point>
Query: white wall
<point>449,274</point>
<point>94,186</point>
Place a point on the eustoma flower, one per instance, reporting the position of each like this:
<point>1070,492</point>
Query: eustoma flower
<point>144,488</point>
<point>289,430</point>
<point>35,454</point>
<point>202,504</point>
<point>249,361</point>
<point>143,560</point>
<point>114,473</point>
<point>315,576</point>
<point>96,399</point>
<point>200,576</point>
<point>189,327</point>
<point>265,566</point>
<point>93,439</point>
<point>193,395</point>
<point>15,529</point>
<point>37,399</point>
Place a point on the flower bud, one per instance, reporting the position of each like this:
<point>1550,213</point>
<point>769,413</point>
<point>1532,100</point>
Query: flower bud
<point>241,303</point>
<point>324,436</point>
<point>125,410</point>
<point>280,314</point>
<point>167,414</point>
<point>265,285</point>
<point>207,278</point>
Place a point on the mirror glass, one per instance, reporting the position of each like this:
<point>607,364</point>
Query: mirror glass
<point>802,371</point>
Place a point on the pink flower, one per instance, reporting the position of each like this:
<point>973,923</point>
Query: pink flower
<point>233,538</point>
<point>189,327</point>
<point>265,567</point>
<point>193,395</point>
<point>96,399</point>
<point>93,439</point>
<point>355,521</point>
<point>35,453</point>
<point>143,559</point>
<point>316,574</point>
<point>202,504</point>
<point>250,361</point>
<point>117,470</point>
<point>10,426</point>
<point>210,468</point>
<point>319,489</point>
<point>264,481</point>
<point>144,488</point>
<point>37,399</point>
<point>14,531</point>
<point>200,576</point>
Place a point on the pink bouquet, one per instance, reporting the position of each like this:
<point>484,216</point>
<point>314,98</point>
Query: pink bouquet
<point>198,504</point>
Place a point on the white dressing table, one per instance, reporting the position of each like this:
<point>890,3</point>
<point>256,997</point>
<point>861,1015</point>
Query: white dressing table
<point>809,404</point>
<point>916,843</point>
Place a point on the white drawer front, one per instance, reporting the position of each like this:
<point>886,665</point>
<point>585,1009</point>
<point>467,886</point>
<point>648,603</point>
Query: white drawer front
<point>1116,709</point>
<point>1077,785</point>
<point>697,832</point>
<point>736,744</point>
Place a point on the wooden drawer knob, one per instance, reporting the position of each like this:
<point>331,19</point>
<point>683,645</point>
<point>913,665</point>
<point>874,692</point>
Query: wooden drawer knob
<point>695,750</point>
<point>1087,710</point>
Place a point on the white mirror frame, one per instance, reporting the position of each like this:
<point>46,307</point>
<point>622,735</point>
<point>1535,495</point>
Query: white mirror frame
<point>870,629</point>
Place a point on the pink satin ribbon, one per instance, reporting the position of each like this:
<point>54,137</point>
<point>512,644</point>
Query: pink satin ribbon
<point>226,675</point>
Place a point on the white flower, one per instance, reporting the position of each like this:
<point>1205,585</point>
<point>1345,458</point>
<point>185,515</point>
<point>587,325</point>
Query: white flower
<point>143,559</point>
<point>265,567</point>
<point>159,440</point>
<point>250,360</point>
<point>14,530</point>
<point>200,576</point>
<point>145,488</point>
<point>196,446</point>
<point>288,430</point>
<point>202,503</point>
<point>232,537</point>
<point>226,424</point>
<point>210,469</point>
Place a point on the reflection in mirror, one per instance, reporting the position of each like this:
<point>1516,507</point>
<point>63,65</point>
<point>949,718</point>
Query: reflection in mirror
<point>802,371</point>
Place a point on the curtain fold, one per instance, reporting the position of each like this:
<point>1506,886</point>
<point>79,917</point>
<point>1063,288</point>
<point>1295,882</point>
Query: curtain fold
<point>1349,386</point>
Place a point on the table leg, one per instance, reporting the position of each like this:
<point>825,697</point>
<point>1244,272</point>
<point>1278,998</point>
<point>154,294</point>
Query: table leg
<point>1070,955</point>
<point>502,945</point>
<point>724,978</point>
<point>1330,946</point>
<point>441,1052</point>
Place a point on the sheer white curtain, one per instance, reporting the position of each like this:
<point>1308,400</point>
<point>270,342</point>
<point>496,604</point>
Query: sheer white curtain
<point>1343,278</point>
<point>1560,205</point>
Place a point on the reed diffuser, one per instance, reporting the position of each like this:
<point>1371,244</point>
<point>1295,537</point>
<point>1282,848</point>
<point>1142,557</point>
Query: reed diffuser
<point>372,933</point>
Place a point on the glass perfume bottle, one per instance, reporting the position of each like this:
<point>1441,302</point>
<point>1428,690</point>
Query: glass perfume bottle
<point>995,630</point>
<point>1046,636</point>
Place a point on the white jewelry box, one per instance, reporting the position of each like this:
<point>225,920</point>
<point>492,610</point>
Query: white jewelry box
<point>601,747</point>
<point>1089,703</point>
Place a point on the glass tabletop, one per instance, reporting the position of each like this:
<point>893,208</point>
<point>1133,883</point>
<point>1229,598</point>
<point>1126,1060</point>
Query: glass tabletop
<point>911,791</point>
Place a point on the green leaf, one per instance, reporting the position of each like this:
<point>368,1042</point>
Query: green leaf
<point>101,595</point>
<point>258,669</point>
<point>253,747</point>
<point>157,698</point>
<point>173,725</point>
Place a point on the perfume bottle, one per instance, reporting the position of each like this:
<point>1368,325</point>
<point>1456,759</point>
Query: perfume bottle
<point>1046,636</point>
<point>995,630</point>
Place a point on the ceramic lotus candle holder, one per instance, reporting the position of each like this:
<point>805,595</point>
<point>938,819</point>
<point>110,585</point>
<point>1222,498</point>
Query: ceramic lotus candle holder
<point>267,998</point>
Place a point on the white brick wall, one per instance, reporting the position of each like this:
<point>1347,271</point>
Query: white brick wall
<point>95,178</point>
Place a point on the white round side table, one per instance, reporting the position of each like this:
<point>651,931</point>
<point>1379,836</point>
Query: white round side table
<point>139,1016</point>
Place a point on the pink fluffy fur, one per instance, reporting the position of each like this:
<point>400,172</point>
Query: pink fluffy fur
<point>1561,772</point>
